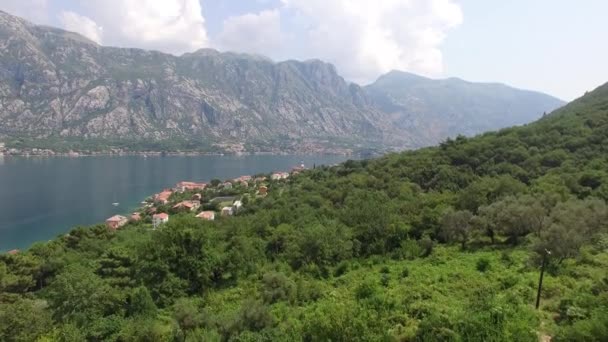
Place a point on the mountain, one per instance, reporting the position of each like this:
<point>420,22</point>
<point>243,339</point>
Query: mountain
<point>57,86</point>
<point>54,82</point>
<point>448,107</point>
<point>439,244</point>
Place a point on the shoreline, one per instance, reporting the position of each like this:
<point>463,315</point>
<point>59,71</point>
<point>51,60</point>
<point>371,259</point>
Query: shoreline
<point>172,153</point>
<point>129,205</point>
<point>39,152</point>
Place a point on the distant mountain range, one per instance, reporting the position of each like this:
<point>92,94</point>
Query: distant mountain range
<point>442,108</point>
<point>59,85</point>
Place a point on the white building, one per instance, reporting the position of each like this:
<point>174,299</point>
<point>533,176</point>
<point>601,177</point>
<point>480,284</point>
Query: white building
<point>227,211</point>
<point>237,205</point>
<point>159,219</point>
<point>279,175</point>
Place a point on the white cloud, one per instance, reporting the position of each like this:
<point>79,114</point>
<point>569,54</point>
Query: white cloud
<point>367,38</point>
<point>33,10</point>
<point>362,38</point>
<point>254,33</point>
<point>174,26</point>
<point>84,25</point>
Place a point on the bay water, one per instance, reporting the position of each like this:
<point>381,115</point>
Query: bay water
<point>43,197</point>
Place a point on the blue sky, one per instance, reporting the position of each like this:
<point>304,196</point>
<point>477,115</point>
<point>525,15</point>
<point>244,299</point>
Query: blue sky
<point>554,46</point>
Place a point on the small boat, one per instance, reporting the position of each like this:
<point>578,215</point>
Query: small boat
<point>116,204</point>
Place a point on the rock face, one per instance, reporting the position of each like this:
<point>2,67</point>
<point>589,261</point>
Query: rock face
<point>441,108</point>
<point>55,83</point>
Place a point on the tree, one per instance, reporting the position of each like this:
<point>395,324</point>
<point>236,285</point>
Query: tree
<point>367,212</point>
<point>276,287</point>
<point>514,217</point>
<point>573,224</point>
<point>116,265</point>
<point>18,273</point>
<point>187,315</point>
<point>488,190</point>
<point>79,295</point>
<point>141,303</point>
<point>318,244</point>
<point>457,226</point>
<point>181,259</point>
<point>24,320</point>
<point>252,316</point>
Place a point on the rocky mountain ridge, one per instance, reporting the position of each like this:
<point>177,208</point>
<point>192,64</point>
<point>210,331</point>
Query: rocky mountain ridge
<point>447,107</point>
<point>60,85</point>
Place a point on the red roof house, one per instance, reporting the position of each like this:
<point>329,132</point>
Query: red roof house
<point>189,186</point>
<point>116,222</point>
<point>187,205</point>
<point>207,215</point>
<point>158,219</point>
<point>163,197</point>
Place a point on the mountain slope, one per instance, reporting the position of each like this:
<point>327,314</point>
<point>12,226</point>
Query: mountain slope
<point>56,85</point>
<point>448,107</point>
<point>442,243</point>
<point>559,150</point>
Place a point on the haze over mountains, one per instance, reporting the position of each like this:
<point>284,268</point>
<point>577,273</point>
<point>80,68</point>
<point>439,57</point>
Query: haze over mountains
<point>453,106</point>
<point>55,83</point>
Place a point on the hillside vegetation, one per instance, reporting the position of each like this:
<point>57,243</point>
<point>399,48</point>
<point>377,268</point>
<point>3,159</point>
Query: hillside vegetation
<point>438,244</point>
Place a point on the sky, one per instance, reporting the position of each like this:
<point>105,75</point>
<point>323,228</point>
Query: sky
<point>554,46</point>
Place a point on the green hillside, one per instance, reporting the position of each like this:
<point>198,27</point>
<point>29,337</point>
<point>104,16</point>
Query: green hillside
<point>438,244</point>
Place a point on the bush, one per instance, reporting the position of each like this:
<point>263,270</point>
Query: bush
<point>341,269</point>
<point>507,259</point>
<point>308,291</point>
<point>409,250</point>
<point>483,265</point>
<point>426,245</point>
<point>385,280</point>
<point>595,328</point>
<point>253,316</point>
<point>365,290</point>
<point>508,281</point>
<point>277,287</point>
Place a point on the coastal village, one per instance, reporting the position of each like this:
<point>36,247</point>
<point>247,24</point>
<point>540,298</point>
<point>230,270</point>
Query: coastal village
<point>217,149</point>
<point>205,201</point>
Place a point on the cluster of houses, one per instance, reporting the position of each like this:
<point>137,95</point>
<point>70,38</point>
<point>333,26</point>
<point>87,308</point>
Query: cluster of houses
<point>279,175</point>
<point>194,203</point>
<point>190,186</point>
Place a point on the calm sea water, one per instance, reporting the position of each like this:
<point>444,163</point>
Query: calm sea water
<point>41,198</point>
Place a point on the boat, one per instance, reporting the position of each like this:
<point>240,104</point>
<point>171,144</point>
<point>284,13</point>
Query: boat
<point>116,204</point>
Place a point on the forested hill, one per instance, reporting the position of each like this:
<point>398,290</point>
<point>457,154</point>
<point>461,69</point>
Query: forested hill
<point>569,142</point>
<point>439,244</point>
